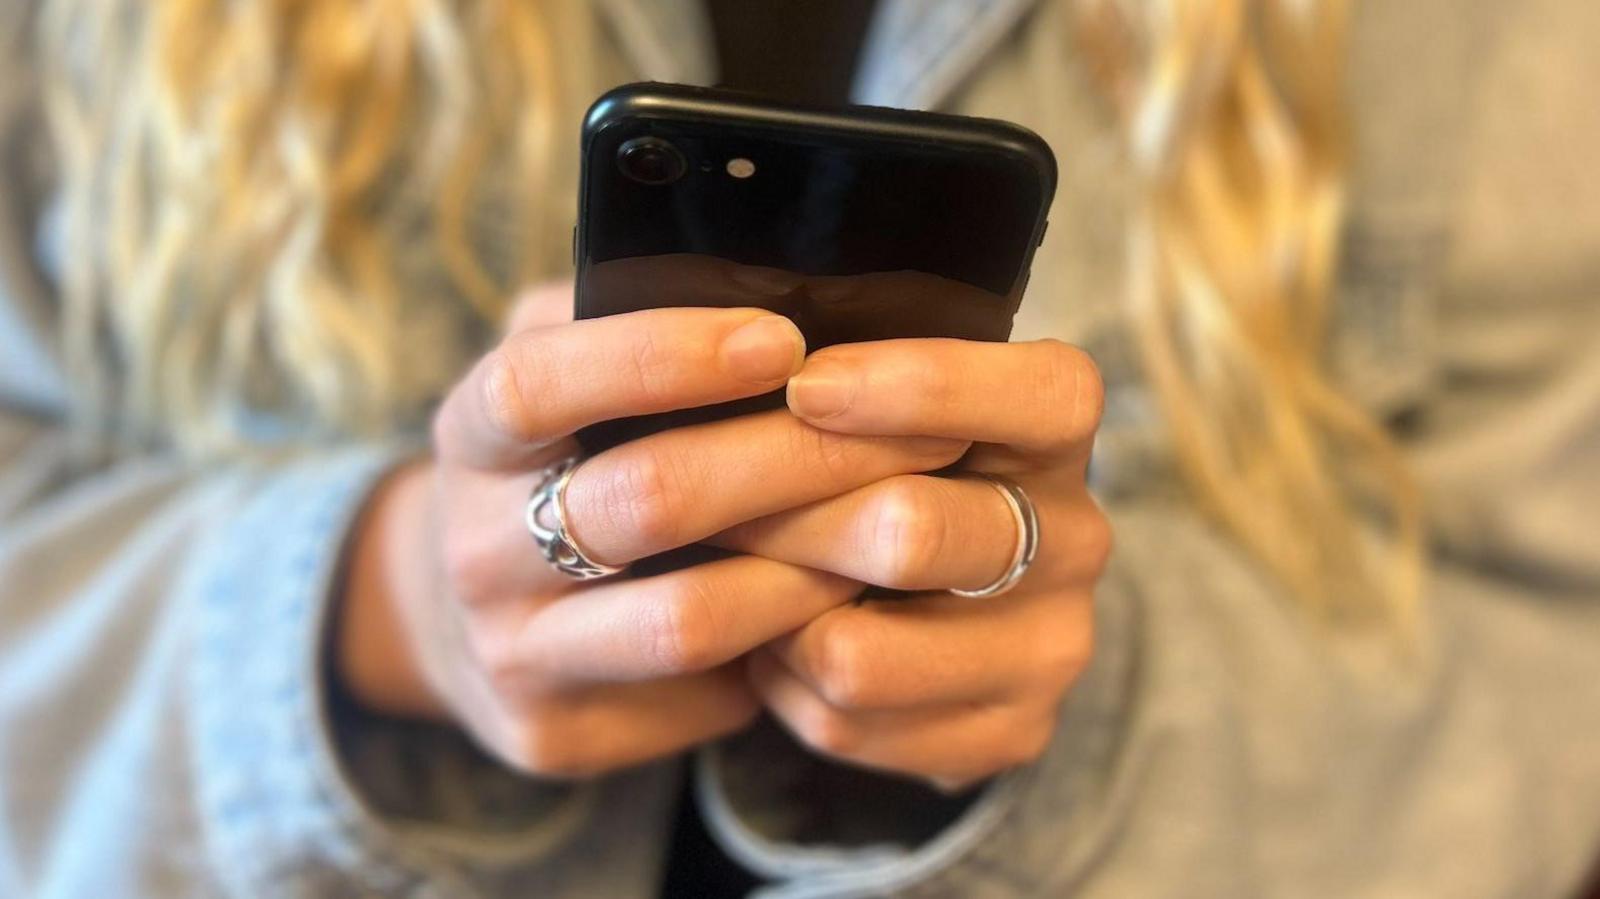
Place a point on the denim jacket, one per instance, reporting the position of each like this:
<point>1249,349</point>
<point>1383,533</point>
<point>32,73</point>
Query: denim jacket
<point>167,728</point>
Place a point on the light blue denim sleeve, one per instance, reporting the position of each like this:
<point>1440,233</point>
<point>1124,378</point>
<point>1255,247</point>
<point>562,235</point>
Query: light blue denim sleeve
<point>165,721</point>
<point>281,803</point>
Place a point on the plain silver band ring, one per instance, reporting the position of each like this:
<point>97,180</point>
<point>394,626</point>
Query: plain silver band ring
<point>555,543</point>
<point>1027,535</point>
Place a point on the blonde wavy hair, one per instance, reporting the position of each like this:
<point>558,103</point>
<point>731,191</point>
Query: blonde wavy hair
<point>250,184</point>
<point>1234,117</point>
<point>272,204</point>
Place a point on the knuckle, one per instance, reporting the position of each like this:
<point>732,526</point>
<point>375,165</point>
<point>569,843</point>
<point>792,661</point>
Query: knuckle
<point>829,731</point>
<point>469,568</point>
<point>682,628</point>
<point>1086,637</point>
<point>844,669</point>
<point>508,661</point>
<point>1027,743</point>
<point>642,497</point>
<point>502,389</point>
<point>1091,543</point>
<point>953,782</point>
<point>908,534</point>
<point>1063,654</point>
<point>652,365</point>
<point>1099,543</point>
<point>1010,740</point>
<point>489,650</point>
<point>547,747</point>
<point>502,677</point>
<point>734,714</point>
<point>1070,391</point>
<point>442,430</point>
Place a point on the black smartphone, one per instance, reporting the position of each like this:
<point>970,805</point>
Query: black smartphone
<point>859,223</point>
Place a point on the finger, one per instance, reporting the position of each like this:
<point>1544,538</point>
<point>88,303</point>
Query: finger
<point>611,727</point>
<point>920,532</point>
<point>684,621</point>
<point>910,532</point>
<point>1043,397</point>
<point>543,384</point>
<point>489,555</point>
<point>950,745</point>
<point>940,649</point>
<point>677,487</point>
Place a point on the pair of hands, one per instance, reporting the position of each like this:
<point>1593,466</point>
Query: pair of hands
<point>450,610</point>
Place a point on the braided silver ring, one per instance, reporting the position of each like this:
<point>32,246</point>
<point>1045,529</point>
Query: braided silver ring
<point>1027,535</point>
<point>546,517</point>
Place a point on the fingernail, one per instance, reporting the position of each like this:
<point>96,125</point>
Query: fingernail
<point>823,389</point>
<point>770,348</point>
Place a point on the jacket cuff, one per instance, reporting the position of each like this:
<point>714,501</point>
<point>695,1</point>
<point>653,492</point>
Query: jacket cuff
<point>281,805</point>
<point>812,829</point>
<point>816,827</point>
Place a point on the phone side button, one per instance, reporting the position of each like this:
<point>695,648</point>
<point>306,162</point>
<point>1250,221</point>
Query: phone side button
<point>1042,232</point>
<point>574,246</point>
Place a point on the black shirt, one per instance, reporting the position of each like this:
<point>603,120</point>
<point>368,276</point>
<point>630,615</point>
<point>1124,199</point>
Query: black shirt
<point>797,50</point>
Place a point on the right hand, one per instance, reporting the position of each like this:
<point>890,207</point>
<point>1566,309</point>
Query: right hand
<point>450,610</point>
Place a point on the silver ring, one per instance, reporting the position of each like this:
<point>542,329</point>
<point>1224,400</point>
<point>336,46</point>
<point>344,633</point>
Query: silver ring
<point>555,543</point>
<point>1027,535</point>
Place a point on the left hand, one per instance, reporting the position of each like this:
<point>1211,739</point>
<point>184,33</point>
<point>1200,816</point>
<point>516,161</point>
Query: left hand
<point>938,686</point>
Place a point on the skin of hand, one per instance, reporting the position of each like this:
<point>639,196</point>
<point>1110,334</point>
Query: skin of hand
<point>946,688</point>
<point>450,612</point>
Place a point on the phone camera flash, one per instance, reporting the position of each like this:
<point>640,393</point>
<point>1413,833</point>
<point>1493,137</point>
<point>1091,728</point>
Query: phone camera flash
<point>741,168</point>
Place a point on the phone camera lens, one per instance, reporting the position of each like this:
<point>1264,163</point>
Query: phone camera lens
<point>650,160</point>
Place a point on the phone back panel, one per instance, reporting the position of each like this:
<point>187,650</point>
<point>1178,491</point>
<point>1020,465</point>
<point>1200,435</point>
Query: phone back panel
<point>859,224</point>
